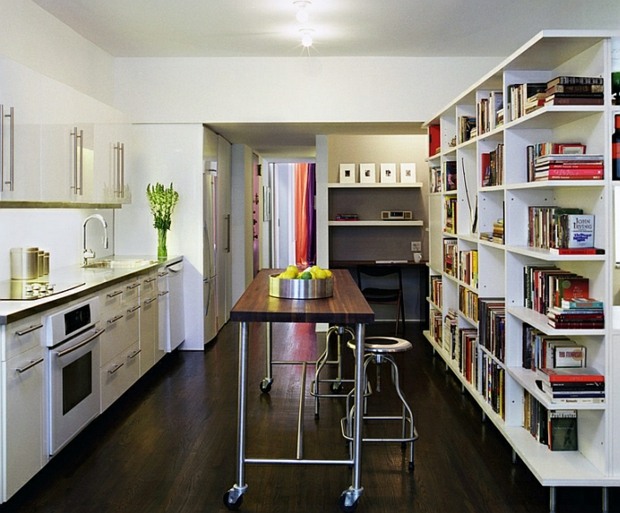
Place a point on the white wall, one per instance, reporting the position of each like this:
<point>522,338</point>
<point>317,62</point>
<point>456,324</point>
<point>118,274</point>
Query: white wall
<point>33,37</point>
<point>292,89</point>
<point>58,231</point>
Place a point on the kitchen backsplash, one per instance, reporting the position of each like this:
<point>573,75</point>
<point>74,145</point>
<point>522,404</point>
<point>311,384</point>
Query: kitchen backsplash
<point>58,231</point>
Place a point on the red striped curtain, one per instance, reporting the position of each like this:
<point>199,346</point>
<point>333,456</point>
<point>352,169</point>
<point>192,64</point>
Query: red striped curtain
<point>305,217</point>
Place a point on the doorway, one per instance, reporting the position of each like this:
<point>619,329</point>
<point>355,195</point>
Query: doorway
<point>293,224</point>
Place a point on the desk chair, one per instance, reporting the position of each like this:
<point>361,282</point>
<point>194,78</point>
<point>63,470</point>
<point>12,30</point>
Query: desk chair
<point>391,292</point>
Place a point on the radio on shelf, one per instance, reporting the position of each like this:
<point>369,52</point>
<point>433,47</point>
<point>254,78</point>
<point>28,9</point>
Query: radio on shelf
<point>396,215</point>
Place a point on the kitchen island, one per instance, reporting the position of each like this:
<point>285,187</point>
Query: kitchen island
<point>345,306</point>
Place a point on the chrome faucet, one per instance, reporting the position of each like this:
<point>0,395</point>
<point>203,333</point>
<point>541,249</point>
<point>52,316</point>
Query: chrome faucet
<point>89,253</point>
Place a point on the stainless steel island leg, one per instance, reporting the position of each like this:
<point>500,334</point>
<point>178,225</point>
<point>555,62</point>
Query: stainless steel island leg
<point>234,497</point>
<point>350,497</point>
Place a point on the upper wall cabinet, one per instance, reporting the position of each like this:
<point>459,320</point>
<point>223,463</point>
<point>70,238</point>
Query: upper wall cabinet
<point>58,145</point>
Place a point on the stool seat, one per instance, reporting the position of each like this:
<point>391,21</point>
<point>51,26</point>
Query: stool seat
<point>381,345</point>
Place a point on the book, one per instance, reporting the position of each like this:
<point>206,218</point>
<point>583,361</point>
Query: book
<point>562,430</point>
<point>571,80</point>
<point>576,231</point>
<point>578,303</point>
<point>568,356</point>
<point>573,100</point>
<point>576,251</point>
<point>570,374</point>
<point>576,88</point>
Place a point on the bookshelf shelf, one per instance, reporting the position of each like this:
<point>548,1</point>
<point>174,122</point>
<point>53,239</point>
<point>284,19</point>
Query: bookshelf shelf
<point>361,223</point>
<point>501,209</point>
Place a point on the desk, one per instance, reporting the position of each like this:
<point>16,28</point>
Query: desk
<point>346,306</point>
<point>420,268</point>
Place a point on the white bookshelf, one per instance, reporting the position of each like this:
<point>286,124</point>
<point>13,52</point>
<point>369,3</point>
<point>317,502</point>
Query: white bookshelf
<point>501,265</point>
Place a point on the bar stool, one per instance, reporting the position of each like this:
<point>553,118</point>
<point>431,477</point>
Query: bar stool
<point>333,345</point>
<point>378,350</point>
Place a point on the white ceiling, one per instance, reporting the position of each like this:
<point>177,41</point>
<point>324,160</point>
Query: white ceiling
<point>255,28</point>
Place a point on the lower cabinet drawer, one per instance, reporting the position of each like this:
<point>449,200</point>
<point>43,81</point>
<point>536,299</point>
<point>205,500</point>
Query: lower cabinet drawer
<point>118,374</point>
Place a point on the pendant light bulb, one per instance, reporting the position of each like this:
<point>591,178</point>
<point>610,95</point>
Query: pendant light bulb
<point>306,40</point>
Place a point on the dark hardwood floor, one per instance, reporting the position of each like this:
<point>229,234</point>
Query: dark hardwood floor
<point>169,445</point>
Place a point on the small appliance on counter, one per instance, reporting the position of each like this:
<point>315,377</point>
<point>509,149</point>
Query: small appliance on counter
<point>29,263</point>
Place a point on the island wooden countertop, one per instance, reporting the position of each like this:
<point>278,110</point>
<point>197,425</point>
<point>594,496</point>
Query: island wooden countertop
<point>346,306</point>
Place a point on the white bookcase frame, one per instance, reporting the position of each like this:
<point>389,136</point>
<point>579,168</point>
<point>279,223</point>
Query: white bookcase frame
<point>547,55</point>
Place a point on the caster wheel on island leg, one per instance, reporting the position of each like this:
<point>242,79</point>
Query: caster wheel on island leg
<point>233,500</point>
<point>347,503</point>
<point>265,385</point>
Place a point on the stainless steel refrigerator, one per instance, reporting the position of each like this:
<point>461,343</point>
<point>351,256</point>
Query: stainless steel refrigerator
<point>209,195</point>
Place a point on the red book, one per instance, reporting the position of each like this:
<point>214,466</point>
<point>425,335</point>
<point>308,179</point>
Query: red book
<point>434,142</point>
<point>576,251</point>
<point>571,287</point>
<point>571,374</point>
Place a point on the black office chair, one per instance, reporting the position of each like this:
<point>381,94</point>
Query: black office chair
<point>383,284</point>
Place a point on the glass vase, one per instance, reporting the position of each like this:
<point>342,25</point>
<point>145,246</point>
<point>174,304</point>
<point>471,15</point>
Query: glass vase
<point>162,250</point>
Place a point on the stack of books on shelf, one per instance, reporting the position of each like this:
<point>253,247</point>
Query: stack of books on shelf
<point>546,285</point>
<point>467,354</point>
<point>561,230</point>
<point>468,303</point>
<point>468,267</point>
<point>497,235</point>
<point>572,385</point>
<point>577,313</point>
<point>435,179</point>
<point>487,110</point>
<point>449,173</point>
<point>450,203</point>
<point>525,98</point>
<point>450,257</point>
<point>568,167</point>
<point>436,326</point>
<point>492,384</point>
<point>492,326</point>
<point>562,161</point>
<point>542,350</point>
<point>436,290</point>
<point>492,164</point>
<point>467,128</point>
<point>449,335</point>
<point>556,429</point>
<point>572,90</point>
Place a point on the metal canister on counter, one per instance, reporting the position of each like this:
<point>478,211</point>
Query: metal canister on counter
<point>24,263</point>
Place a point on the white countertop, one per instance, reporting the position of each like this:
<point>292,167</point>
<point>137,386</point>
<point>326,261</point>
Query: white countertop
<point>94,279</point>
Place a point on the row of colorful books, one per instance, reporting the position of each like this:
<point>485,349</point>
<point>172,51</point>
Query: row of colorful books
<point>492,325</point>
<point>557,429</point>
<point>546,285</point>
<point>572,385</point>
<point>560,228</point>
<point>492,166</point>
<point>563,90</point>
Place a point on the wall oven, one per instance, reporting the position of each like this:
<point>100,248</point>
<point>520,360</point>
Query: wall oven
<point>72,371</point>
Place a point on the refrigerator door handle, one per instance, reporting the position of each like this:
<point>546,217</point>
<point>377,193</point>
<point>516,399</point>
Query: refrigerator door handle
<point>227,249</point>
<point>207,281</point>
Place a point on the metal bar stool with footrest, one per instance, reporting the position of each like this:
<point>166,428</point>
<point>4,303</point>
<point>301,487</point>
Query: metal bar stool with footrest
<point>336,334</point>
<point>378,350</point>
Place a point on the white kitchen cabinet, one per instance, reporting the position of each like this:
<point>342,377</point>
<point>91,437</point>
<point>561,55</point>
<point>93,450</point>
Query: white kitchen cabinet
<point>119,346</point>
<point>24,419</point>
<point>51,132</point>
<point>151,348</point>
<point>20,118</point>
<point>23,406</point>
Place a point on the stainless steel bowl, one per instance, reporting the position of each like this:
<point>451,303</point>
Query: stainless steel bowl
<point>300,289</point>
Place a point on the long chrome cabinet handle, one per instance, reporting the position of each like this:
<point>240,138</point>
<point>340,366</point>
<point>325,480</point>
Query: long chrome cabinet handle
<point>29,329</point>
<point>97,333</point>
<point>29,365</point>
<point>11,180</point>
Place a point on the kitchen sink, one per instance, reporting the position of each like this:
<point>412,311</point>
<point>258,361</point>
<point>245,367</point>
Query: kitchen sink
<point>120,263</point>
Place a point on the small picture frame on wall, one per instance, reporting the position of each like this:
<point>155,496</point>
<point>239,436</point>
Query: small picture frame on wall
<point>368,173</point>
<point>347,173</point>
<point>388,173</point>
<point>407,172</point>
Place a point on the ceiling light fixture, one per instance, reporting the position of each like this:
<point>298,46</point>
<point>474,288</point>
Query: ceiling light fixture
<point>302,15</point>
<point>306,37</point>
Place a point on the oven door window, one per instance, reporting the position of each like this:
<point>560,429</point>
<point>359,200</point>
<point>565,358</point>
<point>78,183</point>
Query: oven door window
<point>77,382</point>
